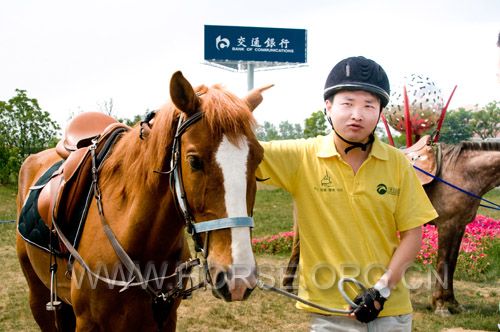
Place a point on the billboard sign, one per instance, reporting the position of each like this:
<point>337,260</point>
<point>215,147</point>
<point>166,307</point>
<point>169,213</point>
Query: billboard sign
<point>251,44</point>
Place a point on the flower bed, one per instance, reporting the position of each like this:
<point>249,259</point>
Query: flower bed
<point>275,244</point>
<point>477,239</point>
<point>472,258</point>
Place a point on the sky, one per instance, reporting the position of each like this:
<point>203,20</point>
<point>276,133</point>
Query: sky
<point>76,56</point>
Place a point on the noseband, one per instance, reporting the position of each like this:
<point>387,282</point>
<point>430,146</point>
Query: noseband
<point>179,193</point>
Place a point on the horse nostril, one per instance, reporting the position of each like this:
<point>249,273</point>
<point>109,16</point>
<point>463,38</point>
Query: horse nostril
<point>220,280</point>
<point>248,291</point>
<point>220,288</point>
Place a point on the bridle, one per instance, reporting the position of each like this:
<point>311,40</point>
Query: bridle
<point>160,299</point>
<point>175,172</point>
<point>177,187</point>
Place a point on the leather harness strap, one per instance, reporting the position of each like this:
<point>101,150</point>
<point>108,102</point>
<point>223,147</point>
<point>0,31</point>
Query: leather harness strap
<point>160,299</point>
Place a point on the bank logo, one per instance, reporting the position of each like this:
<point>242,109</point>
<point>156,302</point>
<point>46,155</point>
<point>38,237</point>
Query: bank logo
<point>221,43</point>
<point>381,189</point>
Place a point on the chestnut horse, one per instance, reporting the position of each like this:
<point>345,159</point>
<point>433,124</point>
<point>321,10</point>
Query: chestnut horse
<point>471,166</point>
<point>213,166</point>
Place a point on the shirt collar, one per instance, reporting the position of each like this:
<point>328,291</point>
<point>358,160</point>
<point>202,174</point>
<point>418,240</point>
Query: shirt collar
<point>327,148</point>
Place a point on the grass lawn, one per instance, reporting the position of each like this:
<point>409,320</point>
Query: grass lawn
<point>263,311</point>
<point>493,196</point>
<point>8,202</point>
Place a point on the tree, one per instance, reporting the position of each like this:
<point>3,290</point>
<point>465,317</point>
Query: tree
<point>456,127</point>
<point>485,123</point>
<point>24,129</point>
<point>267,132</point>
<point>399,139</point>
<point>288,130</point>
<point>107,107</point>
<point>131,121</point>
<point>315,125</point>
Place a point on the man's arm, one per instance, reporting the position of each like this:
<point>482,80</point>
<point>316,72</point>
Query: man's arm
<point>403,257</point>
<point>372,300</point>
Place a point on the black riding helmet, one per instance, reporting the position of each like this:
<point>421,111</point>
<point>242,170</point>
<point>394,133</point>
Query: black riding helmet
<point>358,73</point>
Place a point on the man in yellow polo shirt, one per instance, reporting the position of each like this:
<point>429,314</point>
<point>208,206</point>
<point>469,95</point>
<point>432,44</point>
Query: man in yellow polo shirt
<point>359,205</point>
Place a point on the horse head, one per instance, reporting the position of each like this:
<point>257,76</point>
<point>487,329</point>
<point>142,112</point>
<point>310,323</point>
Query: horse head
<point>218,154</point>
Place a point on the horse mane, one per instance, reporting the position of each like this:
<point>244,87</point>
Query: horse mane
<point>136,159</point>
<point>236,119</point>
<point>454,151</point>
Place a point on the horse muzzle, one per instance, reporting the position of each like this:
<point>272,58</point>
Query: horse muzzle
<point>235,283</point>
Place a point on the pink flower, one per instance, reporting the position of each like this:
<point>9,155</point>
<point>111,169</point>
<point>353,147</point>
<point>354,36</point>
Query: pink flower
<point>472,248</point>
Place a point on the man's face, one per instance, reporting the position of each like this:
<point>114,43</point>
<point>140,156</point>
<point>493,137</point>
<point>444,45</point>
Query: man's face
<point>354,114</point>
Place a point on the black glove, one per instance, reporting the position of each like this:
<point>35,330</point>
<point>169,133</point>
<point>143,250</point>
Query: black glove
<point>370,304</point>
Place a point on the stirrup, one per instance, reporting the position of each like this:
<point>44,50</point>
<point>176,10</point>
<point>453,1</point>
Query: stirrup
<point>54,304</point>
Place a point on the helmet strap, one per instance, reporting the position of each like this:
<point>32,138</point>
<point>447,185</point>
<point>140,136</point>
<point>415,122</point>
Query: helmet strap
<point>353,145</point>
<point>362,146</point>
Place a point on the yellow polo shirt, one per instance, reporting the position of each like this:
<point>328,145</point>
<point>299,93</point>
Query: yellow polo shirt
<point>348,222</point>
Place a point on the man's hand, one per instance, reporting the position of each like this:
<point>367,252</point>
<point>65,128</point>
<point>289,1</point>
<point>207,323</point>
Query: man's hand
<point>370,304</point>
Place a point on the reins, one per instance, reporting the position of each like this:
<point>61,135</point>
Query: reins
<point>133,270</point>
<point>135,277</point>
<point>160,298</point>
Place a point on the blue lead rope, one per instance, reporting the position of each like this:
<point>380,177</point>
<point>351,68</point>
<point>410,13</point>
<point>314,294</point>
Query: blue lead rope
<point>494,207</point>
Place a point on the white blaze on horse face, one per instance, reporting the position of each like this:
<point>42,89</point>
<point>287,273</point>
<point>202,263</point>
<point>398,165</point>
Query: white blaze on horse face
<point>232,160</point>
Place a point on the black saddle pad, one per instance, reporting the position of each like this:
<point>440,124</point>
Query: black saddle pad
<point>31,225</point>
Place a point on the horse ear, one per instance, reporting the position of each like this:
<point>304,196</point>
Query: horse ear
<point>182,94</point>
<point>254,97</point>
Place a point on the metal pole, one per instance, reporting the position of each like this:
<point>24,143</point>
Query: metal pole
<point>250,70</point>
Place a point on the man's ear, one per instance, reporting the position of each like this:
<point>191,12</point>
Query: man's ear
<point>328,107</point>
<point>327,110</point>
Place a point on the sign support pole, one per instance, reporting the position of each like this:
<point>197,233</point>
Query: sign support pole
<point>250,70</point>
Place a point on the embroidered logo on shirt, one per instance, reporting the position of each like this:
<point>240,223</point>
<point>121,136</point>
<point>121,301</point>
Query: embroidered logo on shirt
<point>327,185</point>
<point>326,181</point>
<point>382,189</point>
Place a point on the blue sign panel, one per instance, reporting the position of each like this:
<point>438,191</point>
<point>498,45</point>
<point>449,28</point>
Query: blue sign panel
<point>230,43</point>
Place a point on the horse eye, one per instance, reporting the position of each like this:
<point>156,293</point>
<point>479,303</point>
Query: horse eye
<point>195,162</point>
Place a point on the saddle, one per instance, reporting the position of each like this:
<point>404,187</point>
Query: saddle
<point>423,155</point>
<point>67,195</point>
<point>81,130</point>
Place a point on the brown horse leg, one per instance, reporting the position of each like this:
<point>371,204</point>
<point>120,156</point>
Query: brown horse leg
<point>39,295</point>
<point>450,236</point>
<point>293,262</point>
<point>66,317</point>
